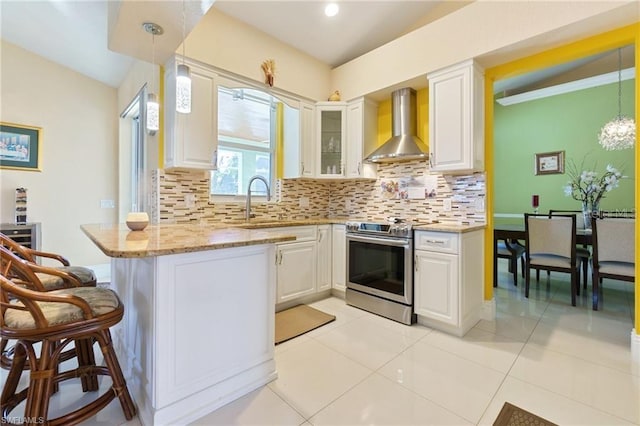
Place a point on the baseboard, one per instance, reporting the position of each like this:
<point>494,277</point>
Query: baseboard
<point>488,310</point>
<point>635,351</point>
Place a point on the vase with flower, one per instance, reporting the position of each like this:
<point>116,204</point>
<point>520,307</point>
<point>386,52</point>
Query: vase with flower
<point>588,187</point>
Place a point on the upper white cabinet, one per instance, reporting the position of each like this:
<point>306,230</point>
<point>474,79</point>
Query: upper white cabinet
<point>307,138</point>
<point>362,134</point>
<point>330,138</point>
<point>191,140</point>
<point>456,118</point>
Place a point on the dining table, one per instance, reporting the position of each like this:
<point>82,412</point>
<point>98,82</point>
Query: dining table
<point>515,231</point>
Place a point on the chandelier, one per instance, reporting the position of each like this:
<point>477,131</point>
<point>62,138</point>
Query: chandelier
<point>619,133</point>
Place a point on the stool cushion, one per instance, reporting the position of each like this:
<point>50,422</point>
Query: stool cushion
<point>53,282</point>
<point>101,301</point>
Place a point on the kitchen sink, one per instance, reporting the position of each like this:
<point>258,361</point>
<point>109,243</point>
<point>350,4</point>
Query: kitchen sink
<point>263,223</point>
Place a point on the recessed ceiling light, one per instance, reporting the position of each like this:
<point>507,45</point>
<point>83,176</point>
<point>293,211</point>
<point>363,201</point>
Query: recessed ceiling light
<point>331,9</point>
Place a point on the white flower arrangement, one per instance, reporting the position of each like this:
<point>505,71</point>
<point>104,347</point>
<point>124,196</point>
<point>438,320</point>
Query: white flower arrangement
<point>586,186</point>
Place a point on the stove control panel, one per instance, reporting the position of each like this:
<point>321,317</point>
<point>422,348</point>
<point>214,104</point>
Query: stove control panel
<point>402,229</point>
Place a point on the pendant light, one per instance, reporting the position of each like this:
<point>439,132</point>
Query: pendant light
<point>619,133</point>
<point>183,76</point>
<point>153,107</point>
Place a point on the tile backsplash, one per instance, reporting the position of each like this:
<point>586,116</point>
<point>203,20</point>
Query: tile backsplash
<point>183,197</point>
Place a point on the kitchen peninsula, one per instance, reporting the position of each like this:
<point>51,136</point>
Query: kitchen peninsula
<point>198,330</point>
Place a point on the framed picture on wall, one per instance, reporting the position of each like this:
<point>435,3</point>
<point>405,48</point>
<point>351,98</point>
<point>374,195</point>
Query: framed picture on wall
<point>549,163</point>
<point>20,147</point>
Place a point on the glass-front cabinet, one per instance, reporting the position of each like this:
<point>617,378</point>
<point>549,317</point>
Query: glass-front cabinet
<point>331,129</point>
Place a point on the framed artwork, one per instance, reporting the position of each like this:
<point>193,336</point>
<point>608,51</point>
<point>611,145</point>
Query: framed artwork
<point>20,147</point>
<point>549,163</point>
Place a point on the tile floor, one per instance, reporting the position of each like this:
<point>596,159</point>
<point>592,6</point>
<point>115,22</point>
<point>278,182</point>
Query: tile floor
<point>568,364</point>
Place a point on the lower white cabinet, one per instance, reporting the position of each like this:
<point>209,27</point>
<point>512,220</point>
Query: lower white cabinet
<point>324,257</point>
<point>295,270</point>
<point>296,263</point>
<point>339,261</point>
<point>448,284</point>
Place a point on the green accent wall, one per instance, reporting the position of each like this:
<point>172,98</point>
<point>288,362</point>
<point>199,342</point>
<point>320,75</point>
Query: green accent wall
<point>571,123</point>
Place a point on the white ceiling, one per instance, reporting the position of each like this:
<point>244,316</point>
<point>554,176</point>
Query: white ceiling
<point>72,33</point>
<point>358,28</point>
<point>79,34</point>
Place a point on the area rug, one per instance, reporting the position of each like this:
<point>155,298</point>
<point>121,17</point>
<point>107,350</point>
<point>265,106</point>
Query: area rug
<point>510,415</point>
<point>298,320</point>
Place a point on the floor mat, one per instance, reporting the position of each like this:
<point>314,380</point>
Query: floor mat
<point>510,415</point>
<point>298,320</point>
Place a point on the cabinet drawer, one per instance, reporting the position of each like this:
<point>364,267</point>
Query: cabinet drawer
<point>442,242</point>
<point>302,233</point>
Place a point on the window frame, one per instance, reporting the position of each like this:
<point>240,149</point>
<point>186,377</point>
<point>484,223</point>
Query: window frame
<point>236,83</point>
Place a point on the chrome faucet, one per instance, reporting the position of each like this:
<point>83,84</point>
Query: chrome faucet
<point>248,214</point>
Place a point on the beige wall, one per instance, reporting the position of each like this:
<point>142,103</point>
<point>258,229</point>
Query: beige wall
<point>229,44</point>
<point>78,150</point>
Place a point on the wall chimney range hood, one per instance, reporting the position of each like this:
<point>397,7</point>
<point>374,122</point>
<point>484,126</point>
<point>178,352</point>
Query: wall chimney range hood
<point>404,144</point>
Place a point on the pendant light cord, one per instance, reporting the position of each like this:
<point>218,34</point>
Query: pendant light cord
<point>619,82</point>
<point>184,29</point>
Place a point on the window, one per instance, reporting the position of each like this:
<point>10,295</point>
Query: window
<point>246,140</point>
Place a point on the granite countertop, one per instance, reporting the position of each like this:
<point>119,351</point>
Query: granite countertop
<point>116,240</point>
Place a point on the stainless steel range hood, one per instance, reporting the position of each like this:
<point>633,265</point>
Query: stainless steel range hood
<point>404,145</point>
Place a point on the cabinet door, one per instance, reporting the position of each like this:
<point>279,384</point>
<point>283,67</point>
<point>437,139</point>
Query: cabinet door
<point>436,286</point>
<point>455,119</point>
<point>324,257</point>
<point>296,270</point>
<point>339,264</point>
<point>192,139</point>
<point>362,128</point>
<point>307,139</point>
<point>331,125</point>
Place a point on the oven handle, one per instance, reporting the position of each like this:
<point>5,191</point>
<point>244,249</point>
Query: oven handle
<point>380,240</point>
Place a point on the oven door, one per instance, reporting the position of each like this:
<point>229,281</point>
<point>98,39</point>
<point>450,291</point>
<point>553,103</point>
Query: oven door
<point>381,266</point>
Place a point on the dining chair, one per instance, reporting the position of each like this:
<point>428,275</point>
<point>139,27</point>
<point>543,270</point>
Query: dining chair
<point>511,250</point>
<point>613,252</point>
<point>550,244</point>
<point>582,252</point>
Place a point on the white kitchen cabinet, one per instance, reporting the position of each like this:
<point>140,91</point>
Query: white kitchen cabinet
<point>296,270</point>
<point>330,139</point>
<point>296,263</point>
<point>299,149</point>
<point>191,140</point>
<point>456,118</point>
<point>448,284</point>
<point>324,257</point>
<point>307,138</point>
<point>362,135</point>
<point>338,256</point>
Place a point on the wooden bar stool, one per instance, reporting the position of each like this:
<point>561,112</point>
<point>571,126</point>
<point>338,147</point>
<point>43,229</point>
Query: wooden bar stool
<point>55,319</point>
<point>18,262</point>
<point>51,282</point>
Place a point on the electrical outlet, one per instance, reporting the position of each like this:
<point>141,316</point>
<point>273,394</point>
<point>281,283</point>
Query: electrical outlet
<point>107,204</point>
<point>190,200</point>
<point>303,202</point>
<point>446,204</point>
